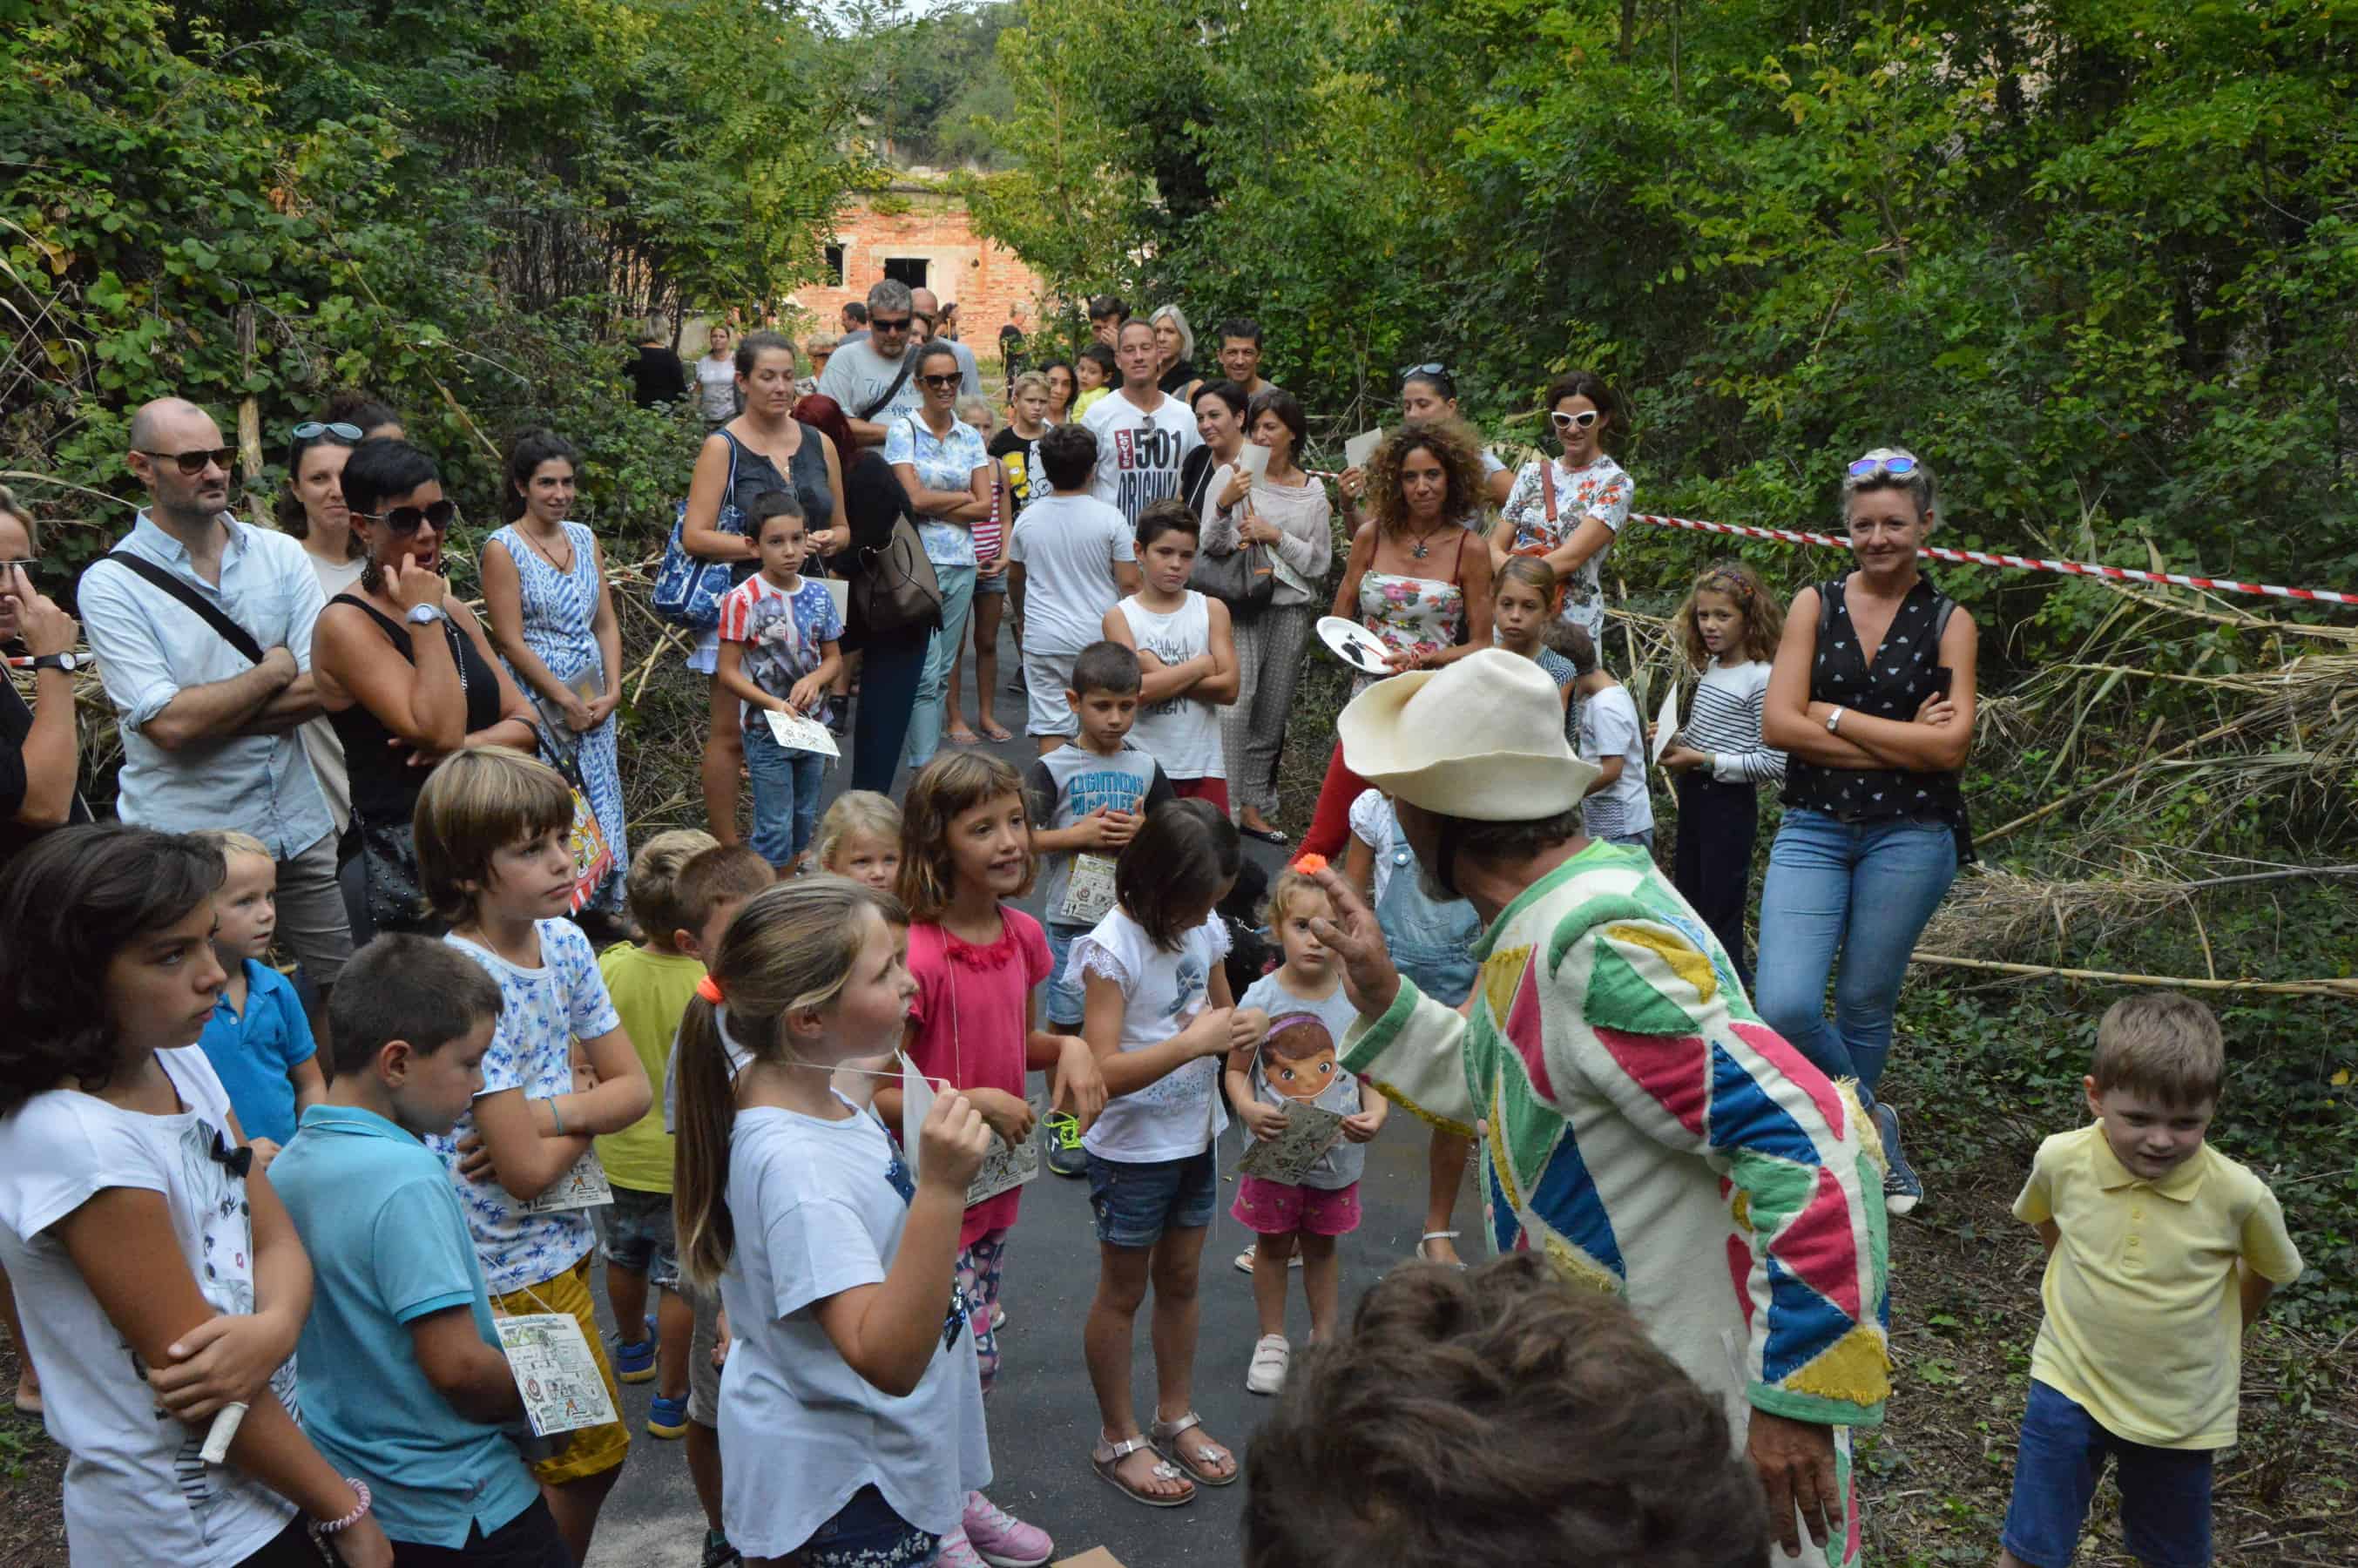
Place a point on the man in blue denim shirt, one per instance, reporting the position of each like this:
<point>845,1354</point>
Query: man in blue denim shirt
<point>208,736</point>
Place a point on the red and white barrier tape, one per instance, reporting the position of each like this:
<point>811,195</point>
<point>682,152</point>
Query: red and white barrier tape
<point>2024,563</point>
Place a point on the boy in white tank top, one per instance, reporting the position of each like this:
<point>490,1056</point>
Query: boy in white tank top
<point>1187,657</point>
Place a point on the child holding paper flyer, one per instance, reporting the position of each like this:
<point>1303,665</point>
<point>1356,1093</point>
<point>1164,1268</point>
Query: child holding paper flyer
<point>493,852</point>
<point>977,961</point>
<point>779,635</point>
<point>158,1275</point>
<point>1618,808</point>
<point>1293,1072</point>
<point>850,1413</point>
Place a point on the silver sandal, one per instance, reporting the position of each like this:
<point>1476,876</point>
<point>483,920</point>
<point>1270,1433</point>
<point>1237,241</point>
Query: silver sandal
<point>1423,1256</point>
<point>1166,1431</point>
<point>1106,1459</point>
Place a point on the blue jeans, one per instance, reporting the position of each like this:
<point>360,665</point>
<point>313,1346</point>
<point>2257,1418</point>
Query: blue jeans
<point>2165,1492</point>
<point>930,714</point>
<point>786,793</point>
<point>1864,889</point>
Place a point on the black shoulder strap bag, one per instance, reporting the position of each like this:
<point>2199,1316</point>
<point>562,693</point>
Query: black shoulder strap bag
<point>235,635</point>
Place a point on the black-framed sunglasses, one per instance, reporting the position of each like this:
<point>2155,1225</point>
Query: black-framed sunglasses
<point>878,324</point>
<point>312,428</point>
<point>1581,421</point>
<point>191,464</point>
<point>1433,371</point>
<point>410,519</point>
<point>942,382</point>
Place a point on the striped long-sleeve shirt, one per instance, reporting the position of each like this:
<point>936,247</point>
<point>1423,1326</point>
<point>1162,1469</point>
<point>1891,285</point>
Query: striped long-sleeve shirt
<point>1725,720</point>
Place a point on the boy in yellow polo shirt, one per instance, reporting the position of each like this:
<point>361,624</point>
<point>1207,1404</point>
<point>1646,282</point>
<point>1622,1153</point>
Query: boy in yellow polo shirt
<point>651,984</point>
<point>2160,1252</point>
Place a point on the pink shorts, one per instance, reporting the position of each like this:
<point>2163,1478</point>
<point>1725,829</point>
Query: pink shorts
<point>1274,1208</point>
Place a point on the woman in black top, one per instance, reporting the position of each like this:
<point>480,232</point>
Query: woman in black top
<point>1872,697</point>
<point>399,716</point>
<point>765,448</point>
<point>1219,410</point>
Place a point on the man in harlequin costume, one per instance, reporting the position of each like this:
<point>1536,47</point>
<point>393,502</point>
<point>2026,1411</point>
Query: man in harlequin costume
<point>1643,1129</point>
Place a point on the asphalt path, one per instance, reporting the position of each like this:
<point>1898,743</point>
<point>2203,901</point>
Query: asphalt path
<point>1043,1416</point>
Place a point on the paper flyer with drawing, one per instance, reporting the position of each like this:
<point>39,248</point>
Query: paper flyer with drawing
<point>916,1104</point>
<point>1090,891</point>
<point>555,1372</point>
<point>800,732</point>
<point>583,1186</point>
<point>1308,1133</point>
<point>1007,1166</point>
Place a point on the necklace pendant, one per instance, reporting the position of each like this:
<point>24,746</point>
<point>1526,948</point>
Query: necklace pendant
<point>1418,550</point>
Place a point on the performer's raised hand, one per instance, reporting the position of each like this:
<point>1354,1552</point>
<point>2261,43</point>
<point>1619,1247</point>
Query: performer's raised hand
<point>1353,936</point>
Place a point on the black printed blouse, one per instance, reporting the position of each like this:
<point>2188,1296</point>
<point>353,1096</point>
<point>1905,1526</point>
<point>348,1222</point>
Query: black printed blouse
<point>1894,689</point>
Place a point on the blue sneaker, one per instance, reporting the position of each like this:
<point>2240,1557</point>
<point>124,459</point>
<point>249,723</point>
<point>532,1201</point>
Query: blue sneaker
<point>718,1552</point>
<point>1902,1189</point>
<point>636,1363</point>
<point>668,1418</point>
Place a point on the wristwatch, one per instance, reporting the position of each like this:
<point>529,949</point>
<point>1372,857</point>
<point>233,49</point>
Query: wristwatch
<point>66,662</point>
<point>1833,721</point>
<point>426,614</point>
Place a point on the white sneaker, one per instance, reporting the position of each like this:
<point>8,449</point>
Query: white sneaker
<point>1267,1374</point>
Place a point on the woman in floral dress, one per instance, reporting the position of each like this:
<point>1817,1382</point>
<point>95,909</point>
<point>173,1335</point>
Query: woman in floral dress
<point>1419,578</point>
<point>553,622</point>
<point>1567,509</point>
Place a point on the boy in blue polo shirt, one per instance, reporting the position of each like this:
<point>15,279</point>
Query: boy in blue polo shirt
<point>259,1041</point>
<point>403,1382</point>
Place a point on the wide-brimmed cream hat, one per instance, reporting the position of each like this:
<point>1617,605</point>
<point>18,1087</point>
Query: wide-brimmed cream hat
<point>1481,739</point>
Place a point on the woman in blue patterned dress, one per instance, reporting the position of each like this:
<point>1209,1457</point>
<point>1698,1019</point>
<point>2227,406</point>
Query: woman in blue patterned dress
<point>553,622</point>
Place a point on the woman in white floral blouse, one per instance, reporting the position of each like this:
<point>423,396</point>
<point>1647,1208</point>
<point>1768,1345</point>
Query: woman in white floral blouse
<point>1567,509</point>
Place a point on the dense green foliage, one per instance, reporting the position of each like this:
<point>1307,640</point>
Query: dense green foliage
<point>2094,258</point>
<point>451,205</point>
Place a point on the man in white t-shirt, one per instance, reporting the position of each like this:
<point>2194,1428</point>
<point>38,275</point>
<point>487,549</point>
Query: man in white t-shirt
<point>1142,434</point>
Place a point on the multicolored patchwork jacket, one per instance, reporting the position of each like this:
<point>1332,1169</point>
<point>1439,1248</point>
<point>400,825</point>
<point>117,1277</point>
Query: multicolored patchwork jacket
<point>1651,1137</point>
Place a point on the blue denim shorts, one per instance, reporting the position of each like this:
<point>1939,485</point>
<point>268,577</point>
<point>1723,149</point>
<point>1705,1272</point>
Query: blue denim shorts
<point>1066,1000</point>
<point>866,1533</point>
<point>1137,1200</point>
<point>2165,1492</point>
<point>634,1232</point>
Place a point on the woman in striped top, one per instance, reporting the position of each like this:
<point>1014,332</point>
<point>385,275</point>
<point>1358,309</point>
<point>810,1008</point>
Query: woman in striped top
<point>1728,626</point>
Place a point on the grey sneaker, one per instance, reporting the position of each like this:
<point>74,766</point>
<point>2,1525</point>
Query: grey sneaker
<point>1902,1188</point>
<point>1066,1156</point>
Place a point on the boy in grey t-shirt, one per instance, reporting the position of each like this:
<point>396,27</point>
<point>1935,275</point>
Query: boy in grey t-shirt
<point>1087,798</point>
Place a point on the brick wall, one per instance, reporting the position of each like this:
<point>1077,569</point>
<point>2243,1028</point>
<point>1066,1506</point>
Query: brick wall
<point>983,277</point>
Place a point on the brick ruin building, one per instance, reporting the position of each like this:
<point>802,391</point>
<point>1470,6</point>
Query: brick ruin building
<point>922,236</point>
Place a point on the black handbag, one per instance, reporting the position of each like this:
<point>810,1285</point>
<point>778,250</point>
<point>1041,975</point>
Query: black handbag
<point>894,587</point>
<point>1243,580</point>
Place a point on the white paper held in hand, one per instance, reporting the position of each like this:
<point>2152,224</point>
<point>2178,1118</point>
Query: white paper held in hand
<point>221,1434</point>
<point>916,1104</point>
<point>1666,722</point>
<point>1255,459</point>
<point>800,732</point>
<point>1360,448</point>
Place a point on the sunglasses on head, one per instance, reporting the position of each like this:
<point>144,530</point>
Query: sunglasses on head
<point>410,519</point>
<point>878,324</point>
<point>1433,371</point>
<point>1899,467</point>
<point>1575,421</point>
<point>312,428</point>
<point>196,462</point>
<point>941,383</point>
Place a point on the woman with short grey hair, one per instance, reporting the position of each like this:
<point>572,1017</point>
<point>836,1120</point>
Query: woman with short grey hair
<point>1872,699</point>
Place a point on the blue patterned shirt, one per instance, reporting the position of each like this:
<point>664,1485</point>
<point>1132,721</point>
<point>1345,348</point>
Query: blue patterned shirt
<point>942,464</point>
<point>542,1012</point>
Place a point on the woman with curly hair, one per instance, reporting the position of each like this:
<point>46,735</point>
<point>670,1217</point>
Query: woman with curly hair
<point>1419,578</point>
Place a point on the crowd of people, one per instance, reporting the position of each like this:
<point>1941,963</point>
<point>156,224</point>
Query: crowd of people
<point>344,1223</point>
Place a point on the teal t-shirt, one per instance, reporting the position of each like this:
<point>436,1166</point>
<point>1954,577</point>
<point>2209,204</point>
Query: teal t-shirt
<point>389,1245</point>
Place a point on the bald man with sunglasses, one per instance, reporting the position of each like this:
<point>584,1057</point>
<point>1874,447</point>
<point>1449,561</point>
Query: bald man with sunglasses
<point>208,719</point>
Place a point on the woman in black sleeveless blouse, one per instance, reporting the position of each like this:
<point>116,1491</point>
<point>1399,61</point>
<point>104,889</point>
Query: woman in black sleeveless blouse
<point>1872,695</point>
<point>406,677</point>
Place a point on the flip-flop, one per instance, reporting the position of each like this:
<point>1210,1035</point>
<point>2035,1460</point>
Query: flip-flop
<point>1106,1460</point>
<point>997,736</point>
<point>962,738</point>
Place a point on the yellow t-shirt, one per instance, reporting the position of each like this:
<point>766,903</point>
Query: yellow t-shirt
<point>2144,1325</point>
<point>651,991</point>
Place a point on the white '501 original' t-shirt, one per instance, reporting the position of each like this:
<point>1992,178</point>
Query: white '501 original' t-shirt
<point>137,1489</point>
<point>820,1207</point>
<point>1178,1116</point>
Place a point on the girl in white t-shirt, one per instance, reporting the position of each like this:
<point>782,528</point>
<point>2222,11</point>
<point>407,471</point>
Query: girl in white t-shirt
<point>851,1425</point>
<point>1158,1013</point>
<point>1184,648</point>
<point>153,1265</point>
